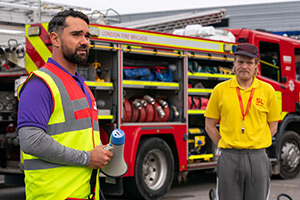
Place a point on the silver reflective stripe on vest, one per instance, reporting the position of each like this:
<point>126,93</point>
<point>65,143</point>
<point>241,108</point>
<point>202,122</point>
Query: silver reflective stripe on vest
<point>80,104</point>
<point>96,126</point>
<point>37,164</point>
<point>70,124</point>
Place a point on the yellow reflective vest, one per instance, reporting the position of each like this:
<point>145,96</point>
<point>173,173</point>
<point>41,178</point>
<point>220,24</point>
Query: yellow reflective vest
<point>74,124</point>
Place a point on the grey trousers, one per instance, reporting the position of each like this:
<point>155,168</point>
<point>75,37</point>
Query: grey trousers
<point>243,174</point>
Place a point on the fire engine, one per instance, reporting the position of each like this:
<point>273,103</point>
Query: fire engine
<point>155,87</point>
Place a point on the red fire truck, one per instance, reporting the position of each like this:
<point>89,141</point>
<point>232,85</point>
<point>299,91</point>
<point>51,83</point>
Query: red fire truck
<point>155,87</point>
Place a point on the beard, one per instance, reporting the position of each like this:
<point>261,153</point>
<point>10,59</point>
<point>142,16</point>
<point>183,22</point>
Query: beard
<point>73,56</point>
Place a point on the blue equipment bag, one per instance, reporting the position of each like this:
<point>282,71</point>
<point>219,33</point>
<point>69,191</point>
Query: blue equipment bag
<point>166,76</point>
<point>158,73</point>
<point>133,73</point>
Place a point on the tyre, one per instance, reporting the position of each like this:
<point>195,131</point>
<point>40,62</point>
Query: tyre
<point>153,172</point>
<point>290,155</point>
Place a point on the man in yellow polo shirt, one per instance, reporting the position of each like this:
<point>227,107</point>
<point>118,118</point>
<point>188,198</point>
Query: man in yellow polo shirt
<point>248,112</point>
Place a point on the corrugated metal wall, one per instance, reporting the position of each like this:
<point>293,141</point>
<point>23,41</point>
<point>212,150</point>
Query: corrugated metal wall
<point>271,17</point>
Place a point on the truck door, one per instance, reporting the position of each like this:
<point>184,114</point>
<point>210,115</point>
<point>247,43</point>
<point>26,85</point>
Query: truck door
<point>272,67</point>
<point>297,76</point>
<point>270,60</point>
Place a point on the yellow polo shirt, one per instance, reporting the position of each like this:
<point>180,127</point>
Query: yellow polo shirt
<point>224,105</point>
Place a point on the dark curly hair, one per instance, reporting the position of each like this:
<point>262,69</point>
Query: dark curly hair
<point>57,23</point>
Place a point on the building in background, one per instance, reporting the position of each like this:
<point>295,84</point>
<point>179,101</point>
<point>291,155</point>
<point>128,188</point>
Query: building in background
<point>284,16</point>
<point>272,17</point>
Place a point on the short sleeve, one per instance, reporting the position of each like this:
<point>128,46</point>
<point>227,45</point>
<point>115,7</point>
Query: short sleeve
<point>212,110</point>
<point>35,105</point>
<point>274,108</point>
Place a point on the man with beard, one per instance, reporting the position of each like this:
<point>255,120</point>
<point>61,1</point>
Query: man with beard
<point>57,119</point>
<point>248,112</point>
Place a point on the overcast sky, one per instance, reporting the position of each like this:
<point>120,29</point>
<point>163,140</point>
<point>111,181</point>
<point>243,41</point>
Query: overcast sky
<point>138,6</point>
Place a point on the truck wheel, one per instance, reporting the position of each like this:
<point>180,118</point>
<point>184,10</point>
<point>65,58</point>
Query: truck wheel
<point>154,170</point>
<point>290,155</point>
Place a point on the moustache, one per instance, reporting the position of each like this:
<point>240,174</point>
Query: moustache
<point>82,48</point>
<point>243,71</point>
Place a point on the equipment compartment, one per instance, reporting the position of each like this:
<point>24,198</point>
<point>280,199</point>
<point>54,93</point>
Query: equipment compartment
<point>152,87</point>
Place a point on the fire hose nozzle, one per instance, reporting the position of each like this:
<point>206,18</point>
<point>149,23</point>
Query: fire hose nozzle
<point>149,99</point>
<point>160,111</point>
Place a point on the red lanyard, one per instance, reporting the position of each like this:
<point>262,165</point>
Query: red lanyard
<point>241,101</point>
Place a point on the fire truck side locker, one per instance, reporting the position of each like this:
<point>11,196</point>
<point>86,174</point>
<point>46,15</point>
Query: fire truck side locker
<point>160,141</point>
<point>142,82</point>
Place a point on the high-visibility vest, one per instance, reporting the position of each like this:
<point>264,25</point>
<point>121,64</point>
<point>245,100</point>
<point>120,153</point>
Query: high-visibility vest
<point>73,123</point>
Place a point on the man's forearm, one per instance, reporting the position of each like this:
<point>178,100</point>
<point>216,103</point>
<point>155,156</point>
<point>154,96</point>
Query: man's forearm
<point>36,142</point>
<point>214,134</point>
<point>273,127</point>
<point>212,131</point>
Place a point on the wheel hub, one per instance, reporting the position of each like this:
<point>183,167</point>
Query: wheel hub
<point>290,155</point>
<point>154,169</point>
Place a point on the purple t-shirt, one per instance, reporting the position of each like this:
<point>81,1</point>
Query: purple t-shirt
<point>35,106</point>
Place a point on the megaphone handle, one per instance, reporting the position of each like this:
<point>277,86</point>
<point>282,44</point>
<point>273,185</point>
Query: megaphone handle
<point>110,180</point>
<point>109,147</point>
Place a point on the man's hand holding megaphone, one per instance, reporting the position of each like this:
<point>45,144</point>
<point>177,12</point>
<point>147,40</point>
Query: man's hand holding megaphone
<point>117,166</point>
<point>99,157</point>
